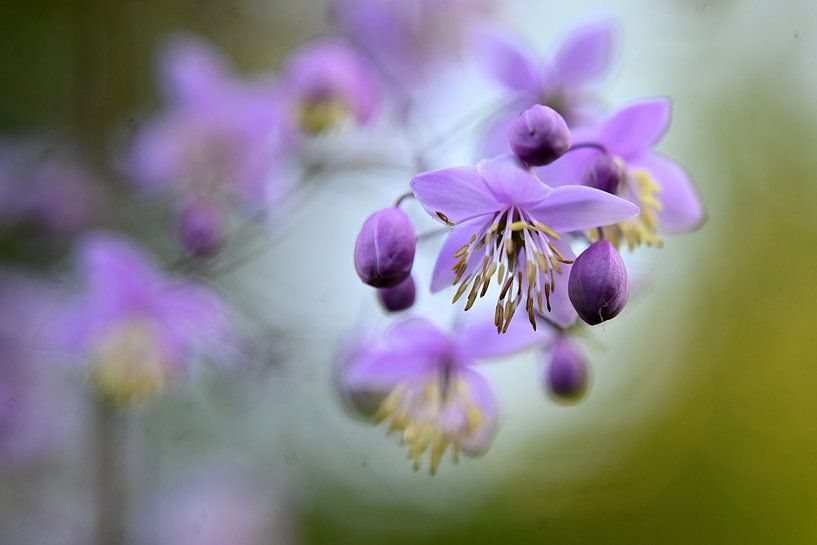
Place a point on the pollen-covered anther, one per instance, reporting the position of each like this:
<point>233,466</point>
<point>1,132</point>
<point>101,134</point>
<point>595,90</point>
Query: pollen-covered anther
<point>523,255</point>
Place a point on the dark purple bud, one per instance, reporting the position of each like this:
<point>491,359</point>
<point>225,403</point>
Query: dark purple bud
<point>201,227</point>
<point>566,374</point>
<point>604,173</point>
<point>598,285</point>
<point>384,251</point>
<point>400,297</point>
<point>539,136</point>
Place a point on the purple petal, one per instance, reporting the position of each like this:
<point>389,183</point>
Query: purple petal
<point>482,395</point>
<point>458,193</point>
<point>682,207</point>
<point>511,183</point>
<point>479,339</point>
<point>636,127</point>
<point>495,141</point>
<point>585,55</point>
<point>443,275</point>
<point>506,62</point>
<point>576,208</point>
<point>568,169</point>
<point>192,72</point>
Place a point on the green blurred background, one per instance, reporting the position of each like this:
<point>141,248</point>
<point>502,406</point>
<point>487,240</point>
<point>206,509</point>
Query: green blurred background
<point>702,425</point>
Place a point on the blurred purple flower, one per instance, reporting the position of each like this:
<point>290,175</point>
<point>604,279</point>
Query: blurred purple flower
<point>508,222</point>
<point>217,506</point>
<point>424,383</point>
<point>43,183</point>
<point>405,39</point>
<point>219,137</point>
<point>564,83</point>
<point>134,327</point>
<point>661,188</point>
<point>326,82</point>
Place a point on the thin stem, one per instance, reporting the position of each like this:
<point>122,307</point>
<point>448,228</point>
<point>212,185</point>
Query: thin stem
<point>589,145</point>
<point>110,474</point>
<point>405,196</point>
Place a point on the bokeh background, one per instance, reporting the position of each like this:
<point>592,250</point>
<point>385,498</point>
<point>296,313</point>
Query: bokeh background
<point>700,426</point>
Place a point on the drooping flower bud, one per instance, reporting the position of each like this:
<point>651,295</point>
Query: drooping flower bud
<point>400,297</point>
<point>566,374</point>
<point>604,173</point>
<point>201,227</point>
<point>539,136</point>
<point>384,251</point>
<point>598,285</point>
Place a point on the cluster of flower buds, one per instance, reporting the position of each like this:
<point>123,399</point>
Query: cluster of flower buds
<point>538,225</point>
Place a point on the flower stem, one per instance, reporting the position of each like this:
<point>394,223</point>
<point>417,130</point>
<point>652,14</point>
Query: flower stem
<point>589,145</point>
<point>110,474</point>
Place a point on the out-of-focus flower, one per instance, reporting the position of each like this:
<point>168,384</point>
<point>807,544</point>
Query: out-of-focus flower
<point>44,184</point>
<point>405,39</point>
<point>400,297</point>
<point>564,83</point>
<point>424,381</point>
<point>327,82</point>
<point>662,189</point>
<point>135,328</point>
<point>201,226</point>
<point>219,138</point>
<point>598,286</point>
<point>566,375</point>
<point>506,222</point>
<point>384,250</point>
<point>217,506</point>
<point>539,136</point>
<point>35,405</point>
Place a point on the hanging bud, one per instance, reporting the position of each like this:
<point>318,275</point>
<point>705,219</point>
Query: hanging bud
<point>539,136</point>
<point>200,227</point>
<point>384,251</point>
<point>604,173</point>
<point>566,374</point>
<point>400,297</point>
<point>598,283</point>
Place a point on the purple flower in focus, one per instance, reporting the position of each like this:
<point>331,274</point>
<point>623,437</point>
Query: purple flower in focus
<point>405,39</point>
<point>564,83</point>
<point>326,82</point>
<point>135,328</point>
<point>509,224</point>
<point>219,138</point>
<point>423,381</point>
<point>661,188</point>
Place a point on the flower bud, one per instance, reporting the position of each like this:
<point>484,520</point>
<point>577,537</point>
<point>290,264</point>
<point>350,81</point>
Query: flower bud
<point>539,136</point>
<point>384,251</point>
<point>566,373</point>
<point>200,227</point>
<point>604,173</point>
<point>400,297</point>
<point>598,283</point>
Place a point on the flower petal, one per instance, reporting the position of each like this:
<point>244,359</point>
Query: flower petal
<point>506,62</point>
<point>192,71</point>
<point>682,207</point>
<point>576,208</point>
<point>480,340</point>
<point>585,55</point>
<point>510,182</point>
<point>635,128</point>
<point>443,275</point>
<point>457,193</point>
<point>482,396</point>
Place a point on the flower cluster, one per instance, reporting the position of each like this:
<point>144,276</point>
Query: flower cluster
<point>536,226</point>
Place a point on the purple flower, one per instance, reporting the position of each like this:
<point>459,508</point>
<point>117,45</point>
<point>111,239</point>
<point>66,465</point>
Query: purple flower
<point>598,285</point>
<point>509,224</point>
<point>134,327</point>
<point>564,83</point>
<point>661,188</point>
<point>565,373</point>
<point>219,138</point>
<point>427,388</point>
<point>405,39</point>
<point>327,82</point>
<point>400,297</point>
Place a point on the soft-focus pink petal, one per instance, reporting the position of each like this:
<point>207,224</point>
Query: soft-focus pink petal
<point>585,55</point>
<point>480,340</point>
<point>682,209</point>
<point>458,193</point>
<point>568,169</point>
<point>635,128</point>
<point>510,182</point>
<point>576,208</point>
<point>443,275</point>
<point>506,62</point>
<point>192,71</point>
<point>482,395</point>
